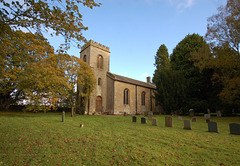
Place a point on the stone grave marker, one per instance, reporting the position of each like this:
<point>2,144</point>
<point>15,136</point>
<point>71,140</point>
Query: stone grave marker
<point>168,121</point>
<point>179,118</point>
<point>219,114</point>
<point>150,115</point>
<point>194,119</point>
<point>187,125</point>
<point>143,120</point>
<point>212,127</point>
<point>63,116</point>
<point>154,122</point>
<point>191,112</point>
<point>234,128</point>
<point>207,116</point>
<point>134,119</point>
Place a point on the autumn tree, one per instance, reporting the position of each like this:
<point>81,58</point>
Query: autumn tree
<point>19,52</point>
<point>222,55</point>
<point>58,17</point>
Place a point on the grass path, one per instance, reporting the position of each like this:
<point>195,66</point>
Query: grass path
<point>42,139</point>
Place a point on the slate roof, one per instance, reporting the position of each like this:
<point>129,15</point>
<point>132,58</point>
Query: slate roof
<point>116,77</point>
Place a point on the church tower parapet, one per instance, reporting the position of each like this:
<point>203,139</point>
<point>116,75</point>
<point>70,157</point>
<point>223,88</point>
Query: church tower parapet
<point>95,44</point>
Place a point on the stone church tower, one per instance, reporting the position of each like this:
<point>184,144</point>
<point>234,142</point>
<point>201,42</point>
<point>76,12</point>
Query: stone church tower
<point>97,56</point>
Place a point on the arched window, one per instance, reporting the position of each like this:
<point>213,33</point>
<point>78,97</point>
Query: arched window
<point>126,96</point>
<point>143,98</point>
<point>85,58</point>
<point>99,81</point>
<point>100,62</point>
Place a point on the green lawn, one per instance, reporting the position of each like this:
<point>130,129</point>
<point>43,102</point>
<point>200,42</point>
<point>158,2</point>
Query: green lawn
<point>42,139</point>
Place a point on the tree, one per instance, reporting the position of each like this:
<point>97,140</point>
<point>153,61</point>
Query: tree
<point>162,57</point>
<point>59,17</point>
<point>19,52</point>
<point>170,83</point>
<point>199,84</point>
<point>222,55</point>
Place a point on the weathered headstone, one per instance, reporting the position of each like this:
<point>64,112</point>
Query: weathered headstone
<point>63,116</point>
<point>234,128</point>
<point>154,122</point>
<point>179,118</point>
<point>143,120</point>
<point>219,114</point>
<point>187,125</point>
<point>134,119</point>
<point>191,112</point>
<point>212,127</point>
<point>194,119</point>
<point>207,116</point>
<point>150,115</point>
<point>168,121</point>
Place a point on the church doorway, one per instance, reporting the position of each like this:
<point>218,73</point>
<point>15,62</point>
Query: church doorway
<point>98,104</point>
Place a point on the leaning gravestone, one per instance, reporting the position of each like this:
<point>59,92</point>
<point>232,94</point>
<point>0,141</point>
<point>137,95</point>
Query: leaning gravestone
<point>168,121</point>
<point>191,112</point>
<point>219,114</point>
<point>63,116</point>
<point>234,128</point>
<point>134,119</point>
<point>187,125</point>
<point>154,122</point>
<point>212,127</point>
<point>143,120</point>
<point>179,118</point>
<point>194,119</point>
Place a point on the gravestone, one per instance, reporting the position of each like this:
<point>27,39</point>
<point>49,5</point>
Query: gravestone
<point>212,127</point>
<point>234,128</point>
<point>191,112</point>
<point>134,119</point>
<point>207,116</point>
<point>187,125</point>
<point>179,118</point>
<point>143,120</point>
<point>194,119</point>
<point>154,122</point>
<point>150,115</point>
<point>168,121</point>
<point>219,114</point>
<point>63,116</point>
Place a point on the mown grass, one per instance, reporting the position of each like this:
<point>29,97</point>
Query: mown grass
<point>42,139</point>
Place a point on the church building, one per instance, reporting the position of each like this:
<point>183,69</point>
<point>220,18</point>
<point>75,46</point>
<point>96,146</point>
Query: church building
<point>115,94</point>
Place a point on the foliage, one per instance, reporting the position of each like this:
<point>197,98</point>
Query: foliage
<point>162,57</point>
<point>20,52</point>
<point>199,89</point>
<point>58,17</point>
<point>223,55</point>
<point>171,86</point>
<point>30,69</point>
<point>42,139</point>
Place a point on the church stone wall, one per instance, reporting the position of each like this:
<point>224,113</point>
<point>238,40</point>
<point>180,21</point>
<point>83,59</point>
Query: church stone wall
<point>119,107</point>
<point>110,95</point>
<point>143,109</point>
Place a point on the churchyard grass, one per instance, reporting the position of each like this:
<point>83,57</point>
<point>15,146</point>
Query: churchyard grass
<point>43,139</point>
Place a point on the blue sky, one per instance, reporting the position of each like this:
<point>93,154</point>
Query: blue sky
<point>134,30</point>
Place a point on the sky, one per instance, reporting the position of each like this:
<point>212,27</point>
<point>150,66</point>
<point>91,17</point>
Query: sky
<point>135,29</point>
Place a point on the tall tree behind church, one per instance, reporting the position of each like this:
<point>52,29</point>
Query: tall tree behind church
<point>170,84</point>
